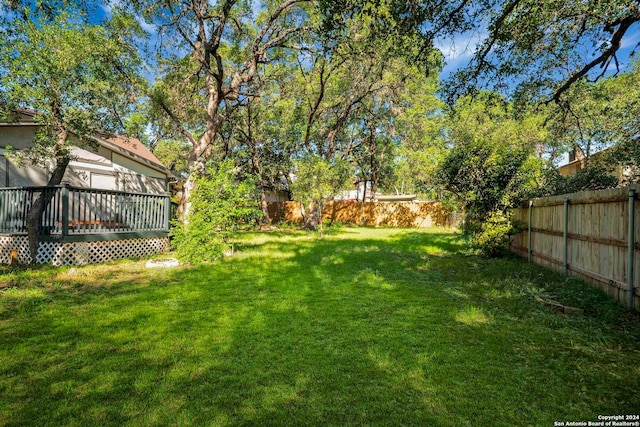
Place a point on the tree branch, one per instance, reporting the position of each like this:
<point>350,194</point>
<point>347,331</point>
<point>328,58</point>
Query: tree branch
<point>604,59</point>
<point>178,124</point>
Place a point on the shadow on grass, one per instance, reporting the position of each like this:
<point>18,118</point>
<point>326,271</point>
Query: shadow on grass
<point>366,327</point>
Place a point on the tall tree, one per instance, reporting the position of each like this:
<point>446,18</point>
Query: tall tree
<point>79,77</point>
<point>546,47</point>
<point>601,115</point>
<point>348,97</point>
<point>492,162</point>
<point>211,51</point>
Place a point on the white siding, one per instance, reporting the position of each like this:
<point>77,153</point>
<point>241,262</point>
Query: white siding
<point>138,168</point>
<point>104,182</point>
<point>26,175</point>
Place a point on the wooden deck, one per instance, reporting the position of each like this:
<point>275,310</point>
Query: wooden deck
<point>86,212</point>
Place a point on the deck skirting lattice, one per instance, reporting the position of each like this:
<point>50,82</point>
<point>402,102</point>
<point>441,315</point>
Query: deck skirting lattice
<point>81,253</point>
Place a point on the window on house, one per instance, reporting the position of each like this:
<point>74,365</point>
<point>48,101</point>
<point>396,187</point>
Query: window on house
<point>103,181</point>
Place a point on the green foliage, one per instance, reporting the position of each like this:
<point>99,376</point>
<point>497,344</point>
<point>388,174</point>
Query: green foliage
<point>492,238</point>
<point>318,180</point>
<point>79,77</point>
<point>596,176</point>
<point>604,115</point>
<point>527,45</point>
<point>626,155</point>
<point>491,165</point>
<point>220,205</point>
<point>173,154</point>
<point>545,47</point>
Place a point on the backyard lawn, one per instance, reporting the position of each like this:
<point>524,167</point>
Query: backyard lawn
<point>361,327</point>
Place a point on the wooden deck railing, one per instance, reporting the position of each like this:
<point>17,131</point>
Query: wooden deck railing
<point>81,211</point>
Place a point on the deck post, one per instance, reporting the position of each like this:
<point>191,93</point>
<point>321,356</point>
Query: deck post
<point>65,210</point>
<point>167,212</point>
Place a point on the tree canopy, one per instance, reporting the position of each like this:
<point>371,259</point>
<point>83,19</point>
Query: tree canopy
<point>333,92</point>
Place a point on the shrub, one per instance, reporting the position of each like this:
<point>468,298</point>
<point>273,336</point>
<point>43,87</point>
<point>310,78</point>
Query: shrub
<point>492,238</point>
<point>220,204</point>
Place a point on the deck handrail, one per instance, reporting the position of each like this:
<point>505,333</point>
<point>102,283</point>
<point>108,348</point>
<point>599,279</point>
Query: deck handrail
<point>71,187</point>
<point>80,211</point>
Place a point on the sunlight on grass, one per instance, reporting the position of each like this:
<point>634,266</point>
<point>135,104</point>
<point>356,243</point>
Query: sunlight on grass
<point>361,327</point>
<point>471,316</point>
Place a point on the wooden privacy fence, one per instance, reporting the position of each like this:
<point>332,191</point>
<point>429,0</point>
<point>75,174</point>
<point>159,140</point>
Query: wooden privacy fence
<point>379,214</point>
<point>593,235</point>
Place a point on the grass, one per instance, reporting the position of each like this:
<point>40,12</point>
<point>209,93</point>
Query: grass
<point>362,327</point>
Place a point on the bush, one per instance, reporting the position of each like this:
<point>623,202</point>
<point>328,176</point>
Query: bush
<point>492,238</point>
<point>220,204</point>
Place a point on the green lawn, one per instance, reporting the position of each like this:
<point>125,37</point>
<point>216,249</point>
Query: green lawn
<point>361,327</point>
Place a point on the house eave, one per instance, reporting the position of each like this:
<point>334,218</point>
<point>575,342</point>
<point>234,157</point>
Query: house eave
<point>113,147</point>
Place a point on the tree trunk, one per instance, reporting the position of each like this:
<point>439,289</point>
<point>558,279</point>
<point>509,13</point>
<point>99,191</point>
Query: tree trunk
<point>34,216</point>
<point>314,220</point>
<point>364,191</point>
<point>264,206</point>
<point>198,157</point>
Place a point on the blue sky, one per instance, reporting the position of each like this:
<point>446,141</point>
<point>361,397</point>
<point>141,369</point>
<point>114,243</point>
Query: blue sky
<point>458,51</point>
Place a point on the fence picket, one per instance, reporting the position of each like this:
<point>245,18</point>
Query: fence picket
<point>597,239</point>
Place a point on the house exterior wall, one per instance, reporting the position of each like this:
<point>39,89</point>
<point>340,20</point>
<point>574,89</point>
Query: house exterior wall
<point>136,177</point>
<point>4,172</point>
<point>18,137</point>
<point>94,167</point>
<point>578,163</point>
<point>571,168</point>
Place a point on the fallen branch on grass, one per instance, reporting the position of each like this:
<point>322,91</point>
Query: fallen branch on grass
<point>560,307</point>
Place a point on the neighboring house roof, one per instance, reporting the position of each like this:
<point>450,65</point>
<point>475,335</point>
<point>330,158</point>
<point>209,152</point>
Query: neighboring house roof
<point>135,147</point>
<point>132,148</point>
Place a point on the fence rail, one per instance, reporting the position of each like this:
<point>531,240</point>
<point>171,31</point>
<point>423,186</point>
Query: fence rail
<point>593,235</point>
<point>81,211</point>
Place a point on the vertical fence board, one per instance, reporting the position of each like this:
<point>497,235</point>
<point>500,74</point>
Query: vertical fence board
<point>597,240</point>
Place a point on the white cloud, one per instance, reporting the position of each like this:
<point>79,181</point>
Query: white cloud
<point>148,28</point>
<point>461,46</point>
<point>631,40</point>
<point>458,51</point>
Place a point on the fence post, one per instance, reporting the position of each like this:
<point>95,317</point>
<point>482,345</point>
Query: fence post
<point>65,210</point>
<point>530,254</point>
<point>632,248</point>
<point>566,235</point>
